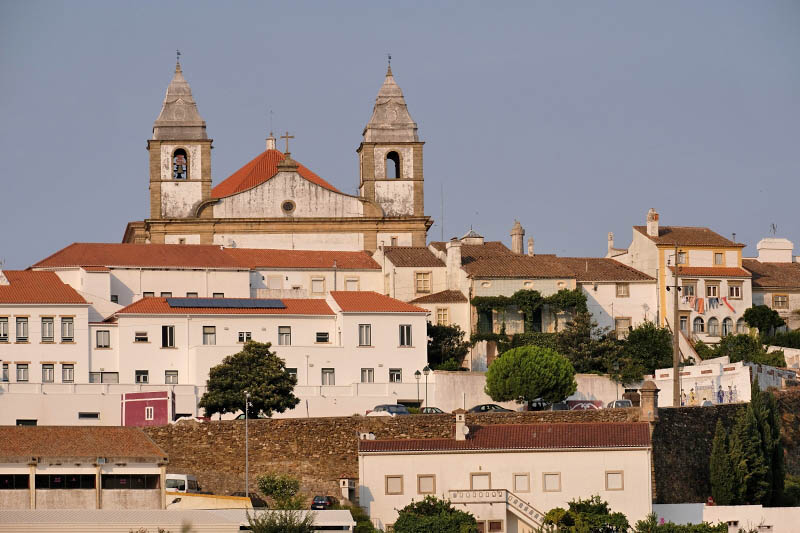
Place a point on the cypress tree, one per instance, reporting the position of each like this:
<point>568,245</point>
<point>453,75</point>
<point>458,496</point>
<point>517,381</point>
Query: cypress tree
<point>723,483</point>
<point>751,470</point>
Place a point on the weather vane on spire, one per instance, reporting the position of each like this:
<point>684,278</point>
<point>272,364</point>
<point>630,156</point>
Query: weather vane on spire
<point>390,59</point>
<point>178,55</point>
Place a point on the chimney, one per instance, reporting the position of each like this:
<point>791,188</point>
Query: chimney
<point>610,242</point>
<point>453,264</point>
<point>652,223</point>
<point>271,142</point>
<point>648,402</point>
<point>517,237</point>
<point>461,424</point>
<point>530,246</point>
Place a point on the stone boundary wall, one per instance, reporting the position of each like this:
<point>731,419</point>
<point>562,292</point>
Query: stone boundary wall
<point>319,451</point>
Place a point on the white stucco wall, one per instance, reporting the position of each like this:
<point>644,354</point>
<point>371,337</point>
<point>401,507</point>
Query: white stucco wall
<point>130,283</point>
<point>402,280</point>
<point>311,200</point>
<point>352,242</point>
<point>396,197</point>
<point>406,162</point>
<point>604,304</point>
<point>385,239</point>
<point>278,283</point>
<point>178,197</point>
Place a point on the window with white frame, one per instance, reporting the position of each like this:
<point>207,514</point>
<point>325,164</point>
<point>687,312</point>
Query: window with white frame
<point>22,372</point>
<point>394,485</point>
<point>328,376</point>
<point>426,484</point>
<point>422,282</point>
<point>682,257</point>
<point>351,284</point>
<point>712,289</point>
<point>698,326</point>
<point>684,323</point>
<point>367,375</point>
<point>284,335</point>
<point>191,295</point>
<point>622,326</point>
<point>780,301</point>
<point>115,298</point>
<point>522,482</point>
<point>167,336</point>
<point>149,413</point>
<point>67,329</point>
<point>405,335</point>
<point>395,375</point>
<point>218,295</point>
<point>719,258</point>
<point>689,287</point>
<point>317,285</point>
<point>48,329</point>
<point>245,336</point>
<point>48,373</point>
<point>67,373</point>
<point>171,377</point>
<point>4,329</point>
<point>615,480</point>
<point>148,294</point>
<point>142,376</point>
<point>734,290</point>
<point>4,375</point>
<point>365,335</point>
<point>442,316</point>
<point>209,335</point>
<point>623,290</point>
<point>322,337</point>
<point>103,338</point>
<point>480,481</point>
<point>22,329</point>
<point>713,327</point>
<point>727,326</point>
<point>140,336</point>
<point>551,481</point>
<point>166,294</point>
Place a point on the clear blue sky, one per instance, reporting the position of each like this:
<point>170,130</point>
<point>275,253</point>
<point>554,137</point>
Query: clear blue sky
<point>574,117</point>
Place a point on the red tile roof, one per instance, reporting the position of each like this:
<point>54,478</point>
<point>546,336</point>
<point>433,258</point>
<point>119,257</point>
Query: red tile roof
<point>266,258</point>
<point>689,236</point>
<point>443,297</point>
<point>412,256</point>
<point>84,442</point>
<point>715,271</point>
<point>294,306</point>
<point>473,252</point>
<point>517,266</point>
<point>372,302</point>
<point>30,287</point>
<point>601,269</point>
<point>261,169</point>
<point>773,275</point>
<point>140,255</point>
<point>526,437</point>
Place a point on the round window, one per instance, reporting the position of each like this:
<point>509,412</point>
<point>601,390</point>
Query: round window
<point>287,206</point>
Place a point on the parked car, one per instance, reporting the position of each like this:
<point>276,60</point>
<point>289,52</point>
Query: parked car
<point>321,503</point>
<point>616,404</point>
<point>241,417</point>
<point>537,405</point>
<point>489,408</point>
<point>389,409</point>
<point>558,406</point>
<point>431,411</point>
<point>182,483</point>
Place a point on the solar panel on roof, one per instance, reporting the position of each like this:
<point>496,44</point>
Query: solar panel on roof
<point>226,303</point>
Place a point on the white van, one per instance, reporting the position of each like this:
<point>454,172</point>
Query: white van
<point>182,483</point>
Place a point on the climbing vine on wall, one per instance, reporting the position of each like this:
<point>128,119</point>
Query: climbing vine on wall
<point>528,301</point>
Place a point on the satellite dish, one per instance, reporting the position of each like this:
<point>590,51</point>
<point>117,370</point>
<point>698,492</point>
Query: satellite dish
<point>465,430</point>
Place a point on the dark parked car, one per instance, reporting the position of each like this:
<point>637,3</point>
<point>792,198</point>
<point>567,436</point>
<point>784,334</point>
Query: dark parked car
<point>431,411</point>
<point>321,503</point>
<point>558,406</point>
<point>489,408</point>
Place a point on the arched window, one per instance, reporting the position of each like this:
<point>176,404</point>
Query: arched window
<point>713,327</point>
<point>180,165</point>
<point>727,327</point>
<point>393,165</point>
<point>698,326</point>
<point>741,326</point>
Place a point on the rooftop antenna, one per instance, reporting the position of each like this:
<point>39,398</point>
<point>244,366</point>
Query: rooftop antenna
<point>389,56</point>
<point>734,236</point>
<point>441,226</point>
<point>270,122</point>
<point>177,55</point>
<point>773,228</point>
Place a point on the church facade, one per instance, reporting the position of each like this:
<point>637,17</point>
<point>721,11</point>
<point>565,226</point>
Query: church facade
<point>274,201</point>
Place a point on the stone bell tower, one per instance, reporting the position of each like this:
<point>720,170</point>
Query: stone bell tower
<point>180,157</point>
<point>390,156</point>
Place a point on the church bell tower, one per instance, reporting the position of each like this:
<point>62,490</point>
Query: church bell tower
<point>390,156</point>
<point>180,157</point>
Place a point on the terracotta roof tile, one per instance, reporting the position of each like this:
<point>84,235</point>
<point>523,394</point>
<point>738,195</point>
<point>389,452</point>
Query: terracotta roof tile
<point>716,271</point>
<point>526,437</point>
<point>443,297</point>
<point>30,287</point>
<point>294,306</point>
<point>601,269</point>
<point>412,256</point>
<point>518,266</point>
<point>372,302</point>
<point>773,275</point>
<point>261,169</point>
<point>266,258</point>
<point>140,255</point>
<point>473,252</point>
<point>688,236</point>
<point>88,442</point>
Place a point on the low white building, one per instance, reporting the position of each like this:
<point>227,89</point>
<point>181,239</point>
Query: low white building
<point>509,476</point>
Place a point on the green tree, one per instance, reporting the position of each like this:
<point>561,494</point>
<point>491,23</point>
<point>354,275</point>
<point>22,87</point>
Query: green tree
<point>528,373</point>
<point>587,347</point>
<point>446,346</point>
<point>285,521</point>
<point>765,410</point>
<point>282,489</point>
<point>360,517</point>
<point>592,515</point>
<point>650,346</point>
<point>723,483</point>
<point>433,514</point>
<point>753,479</point>
<point>763,318</point>
<point>651,524</point>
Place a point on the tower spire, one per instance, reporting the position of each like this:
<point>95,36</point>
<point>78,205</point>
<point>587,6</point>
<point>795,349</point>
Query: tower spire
<point>179,118</point>
<point>390,121</point>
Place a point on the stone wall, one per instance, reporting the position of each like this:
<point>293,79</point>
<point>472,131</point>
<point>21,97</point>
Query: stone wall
<point>319,451</point>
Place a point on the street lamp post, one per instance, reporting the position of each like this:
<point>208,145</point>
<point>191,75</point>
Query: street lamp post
<point>417,375</point>
<point>426,371</point>
<point>246,446</point>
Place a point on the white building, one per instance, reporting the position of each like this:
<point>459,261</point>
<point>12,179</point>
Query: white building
<point>509,476</point>
<point>776,279</point>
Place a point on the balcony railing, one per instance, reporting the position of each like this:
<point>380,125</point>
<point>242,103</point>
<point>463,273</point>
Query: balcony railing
<point>514,503</point>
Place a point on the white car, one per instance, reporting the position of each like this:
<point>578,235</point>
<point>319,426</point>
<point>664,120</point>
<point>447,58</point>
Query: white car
<point>388,409</point>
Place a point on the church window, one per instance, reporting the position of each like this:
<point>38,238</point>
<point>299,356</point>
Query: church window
<point>288,206</point>
<point>393,165</point>
<point>180,167</point>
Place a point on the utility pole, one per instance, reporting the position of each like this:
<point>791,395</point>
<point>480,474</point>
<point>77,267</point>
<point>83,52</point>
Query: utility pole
<point>246,445</point>
<point>676,350</point>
